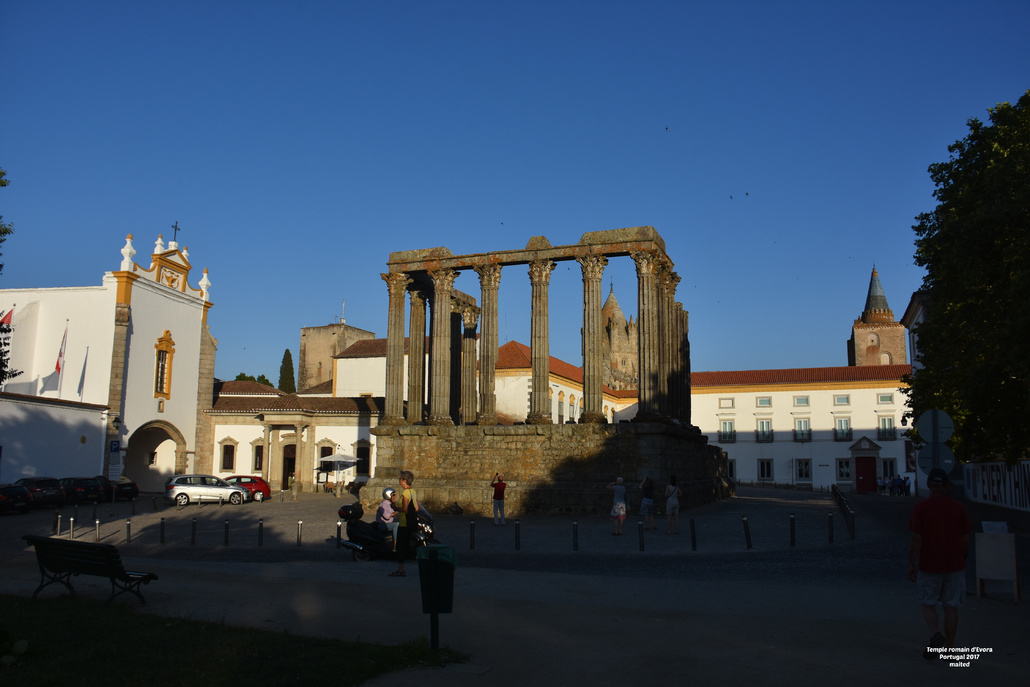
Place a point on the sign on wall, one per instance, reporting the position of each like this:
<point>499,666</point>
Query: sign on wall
<point>999,484</point>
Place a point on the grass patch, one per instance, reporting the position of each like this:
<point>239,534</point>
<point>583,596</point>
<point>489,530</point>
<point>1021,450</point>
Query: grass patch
<point>74,640</point>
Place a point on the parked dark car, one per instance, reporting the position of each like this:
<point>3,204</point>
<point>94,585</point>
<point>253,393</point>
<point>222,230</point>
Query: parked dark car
<point>123,488</point>
<point>257,487</point>
<point>82,489</point>
<point>14,498</point>
<point>44,490</point>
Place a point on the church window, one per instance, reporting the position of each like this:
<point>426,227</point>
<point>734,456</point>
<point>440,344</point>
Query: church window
<point>165,351</point>
<point>228,455</point>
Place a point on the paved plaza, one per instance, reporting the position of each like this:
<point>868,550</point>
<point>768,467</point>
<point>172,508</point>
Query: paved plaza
<point>529,608</point>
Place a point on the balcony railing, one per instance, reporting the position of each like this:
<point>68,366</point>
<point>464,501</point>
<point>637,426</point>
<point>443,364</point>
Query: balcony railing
<point>729,437</point>
<point>887,433</point>
<point>802,435</point>
<point>842,434</point>
<point>763,436</point>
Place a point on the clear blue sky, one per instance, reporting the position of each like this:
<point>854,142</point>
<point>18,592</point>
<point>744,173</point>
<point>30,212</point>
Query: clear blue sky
<point>780,148</point>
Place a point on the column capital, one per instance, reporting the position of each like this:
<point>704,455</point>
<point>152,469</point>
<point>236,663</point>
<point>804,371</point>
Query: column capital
<point>489,276</point>
<point>540,271</point>
<point>648,262</point>
<point>592,266</point>
<point>396,282</point>
<point>443,280</point>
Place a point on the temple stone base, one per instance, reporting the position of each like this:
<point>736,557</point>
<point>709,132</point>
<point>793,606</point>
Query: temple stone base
<point>550,469</point>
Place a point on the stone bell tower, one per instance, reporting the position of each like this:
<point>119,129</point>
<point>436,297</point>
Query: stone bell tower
<point>876,338</point>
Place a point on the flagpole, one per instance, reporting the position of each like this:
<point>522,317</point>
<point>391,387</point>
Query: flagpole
<point>60,360</point>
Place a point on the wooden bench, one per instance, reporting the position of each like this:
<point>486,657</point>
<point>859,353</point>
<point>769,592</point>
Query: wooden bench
<point>59,559</point>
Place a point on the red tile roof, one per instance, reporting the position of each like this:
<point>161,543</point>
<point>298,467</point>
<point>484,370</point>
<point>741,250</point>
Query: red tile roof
<point>245,387</point>
<point>292,403</point>
<point>801,375</point>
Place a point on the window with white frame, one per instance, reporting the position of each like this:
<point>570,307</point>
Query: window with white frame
<point>763,401</point>
<point>765,469</point>
<point>229,456</point>
<point>842,429</point>
<point>802,429</point>
<point>843,469</point>
<point>885,399</point>
<point>803,470</point>
<point>886,431</point>
<point>801,401</point>
<point>259,457</point>
<point>727,433</point>
<point>765,431</point>
<point>842,400</point>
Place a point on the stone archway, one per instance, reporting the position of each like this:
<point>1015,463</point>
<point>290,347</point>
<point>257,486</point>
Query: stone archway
<point>155,452</point>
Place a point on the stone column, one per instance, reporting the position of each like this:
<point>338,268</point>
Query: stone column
<point>417,358</point>
<point>593,344</point>
<point>302,468</point>
<point>489,281</point>
<point>539,401</point>
<point>683,346</point>
<point>647,333</point>
<point>666,281</point>
<point>470,318</point>
<point>457,308</point>
<point>396,283</point>
<point>440,364</point>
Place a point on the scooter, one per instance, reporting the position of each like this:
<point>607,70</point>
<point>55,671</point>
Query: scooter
<point>367,542</point>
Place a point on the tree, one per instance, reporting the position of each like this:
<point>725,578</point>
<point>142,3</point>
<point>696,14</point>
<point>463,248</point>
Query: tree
<point>260,379</point>
<point>6,229</point>
<point>975,246</point>
<point>287,382</point>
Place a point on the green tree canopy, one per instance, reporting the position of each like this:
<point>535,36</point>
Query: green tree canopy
<point>260,379</point>
<point>287,382</point>
<point>975,246</point>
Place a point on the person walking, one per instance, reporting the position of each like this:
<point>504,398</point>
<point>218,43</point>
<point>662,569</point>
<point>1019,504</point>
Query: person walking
<point>618,487</point>
<point>937,552</point>
<point>672,505</point>
<point>407,516</point>
<point>498,484</point>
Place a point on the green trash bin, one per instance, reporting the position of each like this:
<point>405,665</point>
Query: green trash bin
<point>436,565</point>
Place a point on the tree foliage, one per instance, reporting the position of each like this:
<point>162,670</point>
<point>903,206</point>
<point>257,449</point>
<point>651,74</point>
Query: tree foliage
<point>287,380</point>
<point>260,379</point>
<point>975,246</point>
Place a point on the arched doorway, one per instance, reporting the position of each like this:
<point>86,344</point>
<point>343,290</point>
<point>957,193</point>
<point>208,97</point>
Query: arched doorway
<point>155,452</point>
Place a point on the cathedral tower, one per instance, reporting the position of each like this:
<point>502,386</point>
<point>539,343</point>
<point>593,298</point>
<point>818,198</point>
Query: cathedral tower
<point>876,338</point>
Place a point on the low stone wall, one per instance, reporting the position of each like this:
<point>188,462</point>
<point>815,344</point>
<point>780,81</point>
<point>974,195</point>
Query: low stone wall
<point>548,468</point>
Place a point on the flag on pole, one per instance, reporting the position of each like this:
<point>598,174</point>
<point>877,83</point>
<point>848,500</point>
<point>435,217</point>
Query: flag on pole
<point>7,317</point>
<point>60,356</point>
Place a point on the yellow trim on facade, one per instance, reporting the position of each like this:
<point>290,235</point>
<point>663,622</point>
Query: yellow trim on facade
<point>123,288</point>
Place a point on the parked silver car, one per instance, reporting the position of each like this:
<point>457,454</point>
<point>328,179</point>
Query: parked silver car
<point>186,488</point>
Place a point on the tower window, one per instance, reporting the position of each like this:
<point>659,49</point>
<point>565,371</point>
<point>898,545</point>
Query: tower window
<point>165,351</point>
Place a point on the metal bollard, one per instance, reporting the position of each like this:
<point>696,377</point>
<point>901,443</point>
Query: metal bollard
<point>472,535</point>
<point>339,533</point>
<point>575,535</point>
<point>71,528</point>
<point>56,529</point>
<point>193,536</point>
<point>747,532</point>
<point>128,531</point>
<point>693,536</point>
<point>96,523</point>
<point>300,526</point>
<point>162,530</point>
<point>640,533</point>
<point>261,531</point>
<point>792,529</point>
<point>830,521</point>
<point>518,539</point>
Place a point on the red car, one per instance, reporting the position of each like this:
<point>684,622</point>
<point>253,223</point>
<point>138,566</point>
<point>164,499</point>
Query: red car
<point>257,487</point>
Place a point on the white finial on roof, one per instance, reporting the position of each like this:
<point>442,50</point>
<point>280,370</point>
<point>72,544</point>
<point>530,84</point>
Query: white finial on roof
<point>186,252</point>
<point>205,286</point>
<point>159,247</point>
<point>127,252</point>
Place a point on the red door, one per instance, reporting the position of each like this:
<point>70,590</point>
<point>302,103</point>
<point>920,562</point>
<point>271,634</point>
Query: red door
<point>865,474</point>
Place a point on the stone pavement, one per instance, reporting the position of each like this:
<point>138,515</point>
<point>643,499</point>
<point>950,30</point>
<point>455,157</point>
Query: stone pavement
<point>608,613</point>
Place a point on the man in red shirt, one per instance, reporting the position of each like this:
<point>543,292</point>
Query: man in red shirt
<point>498,484</point>
<point>941,531</point>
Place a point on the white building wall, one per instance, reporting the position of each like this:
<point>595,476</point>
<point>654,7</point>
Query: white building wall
<point>38,326</point>
<point>863,411</point>
<point>363,376</point>
<point>156,309</point>
<point>41,438</point>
